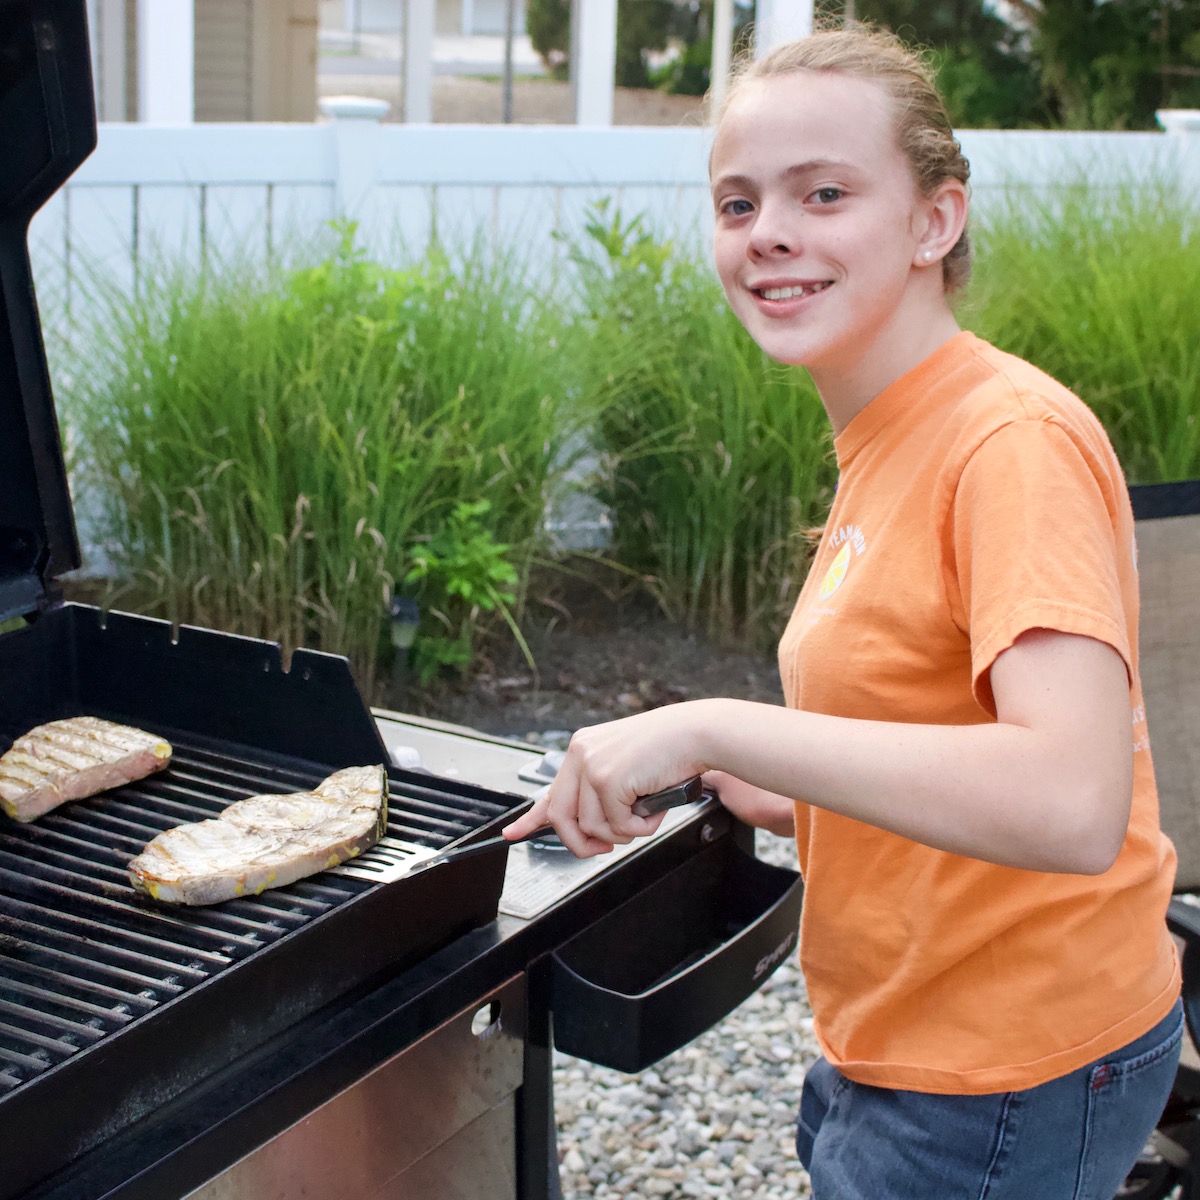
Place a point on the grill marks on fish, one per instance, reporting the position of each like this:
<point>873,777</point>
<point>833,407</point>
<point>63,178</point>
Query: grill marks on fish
<point>72,759</point>
<point>266,841</point>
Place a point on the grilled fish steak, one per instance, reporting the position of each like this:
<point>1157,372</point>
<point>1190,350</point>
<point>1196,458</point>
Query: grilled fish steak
<point>266,841</point>
<point>73,758</point>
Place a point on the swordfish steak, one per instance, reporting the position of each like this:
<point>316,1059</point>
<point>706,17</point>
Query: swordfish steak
<point>73,758</point>
<point>266,841</point>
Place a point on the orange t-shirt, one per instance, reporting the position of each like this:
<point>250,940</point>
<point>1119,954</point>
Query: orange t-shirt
<point>977,499</point>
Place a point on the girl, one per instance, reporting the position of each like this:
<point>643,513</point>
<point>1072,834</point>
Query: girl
<point>994,988</point>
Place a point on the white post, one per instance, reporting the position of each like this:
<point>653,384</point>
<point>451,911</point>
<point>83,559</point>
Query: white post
<point>1182,127</point>
<point>356,129</point>
<point>779,21</point>
<point>593,59</point>
<point>166,61</point>
<point>722,51</point>
<point>418,62</point>
<point>352,21</point>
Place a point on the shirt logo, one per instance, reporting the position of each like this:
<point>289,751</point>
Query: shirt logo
<point>836,573</point>
<point>852,541</point>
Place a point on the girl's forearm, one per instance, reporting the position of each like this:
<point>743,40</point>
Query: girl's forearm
<point>999,792</point>
<point>1045,786</point>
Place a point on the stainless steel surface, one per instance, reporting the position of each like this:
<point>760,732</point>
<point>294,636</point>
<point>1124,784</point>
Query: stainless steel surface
<point>538,878</point>
<point>435,1122</point>
<point>388,860</point>
<point>477,1162</point>
<point>457,752</point>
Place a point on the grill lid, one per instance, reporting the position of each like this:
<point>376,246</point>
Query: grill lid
<point>47,128</point>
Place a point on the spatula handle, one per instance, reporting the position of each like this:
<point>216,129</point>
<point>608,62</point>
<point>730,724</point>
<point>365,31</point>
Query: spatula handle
<point>644,806</point>
<point>687,792</point>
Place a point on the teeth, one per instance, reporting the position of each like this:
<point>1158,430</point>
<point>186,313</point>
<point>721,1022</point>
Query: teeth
<point>786,293</point>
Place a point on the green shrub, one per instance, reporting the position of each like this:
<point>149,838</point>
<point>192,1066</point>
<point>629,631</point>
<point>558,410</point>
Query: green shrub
<point>459,572</point>
<point>720,459</point>
<point>269,452</point>
<point>282,455</point>
<point>1099,287</point>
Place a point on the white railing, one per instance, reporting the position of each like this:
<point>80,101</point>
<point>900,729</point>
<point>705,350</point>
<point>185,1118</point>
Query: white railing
<point>266,191</point>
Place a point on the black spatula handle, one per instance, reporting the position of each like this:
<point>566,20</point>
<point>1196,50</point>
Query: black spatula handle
<point>687,792</point>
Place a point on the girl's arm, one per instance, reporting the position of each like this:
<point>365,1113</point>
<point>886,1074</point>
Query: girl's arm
<point>1047,786</point>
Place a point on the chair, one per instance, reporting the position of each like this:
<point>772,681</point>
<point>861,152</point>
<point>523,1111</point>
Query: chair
<point>1168,539</point>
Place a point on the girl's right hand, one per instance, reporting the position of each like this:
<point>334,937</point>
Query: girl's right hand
<point>607,767</point>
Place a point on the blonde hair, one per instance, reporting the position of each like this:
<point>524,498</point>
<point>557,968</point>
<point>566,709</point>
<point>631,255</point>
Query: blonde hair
<point>923,130</point>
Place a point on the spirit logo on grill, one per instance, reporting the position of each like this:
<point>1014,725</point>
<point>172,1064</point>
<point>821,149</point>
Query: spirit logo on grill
<point>769,962</point>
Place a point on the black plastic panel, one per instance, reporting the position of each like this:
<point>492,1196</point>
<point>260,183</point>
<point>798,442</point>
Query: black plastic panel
<point>671,962</point>
<point>47,128</point>
<point>137,670</point>
<point>1152,501</point>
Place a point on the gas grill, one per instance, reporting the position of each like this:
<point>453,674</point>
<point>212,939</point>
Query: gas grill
<point>338,1037</point>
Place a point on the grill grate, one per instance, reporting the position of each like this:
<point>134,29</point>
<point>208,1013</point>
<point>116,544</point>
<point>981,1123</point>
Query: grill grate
<point>82,955</point>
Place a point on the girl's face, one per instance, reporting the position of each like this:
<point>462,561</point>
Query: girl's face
<point>819,229</point>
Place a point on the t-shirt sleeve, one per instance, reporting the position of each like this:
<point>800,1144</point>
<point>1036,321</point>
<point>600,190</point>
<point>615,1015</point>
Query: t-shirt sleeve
<point>1034,546</point>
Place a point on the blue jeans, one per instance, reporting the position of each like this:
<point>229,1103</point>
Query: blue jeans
<point>1074,1138</point>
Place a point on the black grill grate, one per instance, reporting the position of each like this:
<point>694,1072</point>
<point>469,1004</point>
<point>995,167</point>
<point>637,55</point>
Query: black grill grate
<point>82,955</point>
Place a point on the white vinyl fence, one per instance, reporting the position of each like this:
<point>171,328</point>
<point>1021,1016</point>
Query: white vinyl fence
<point>263,192</point>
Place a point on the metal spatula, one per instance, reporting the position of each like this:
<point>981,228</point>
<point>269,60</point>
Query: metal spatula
<point>391,858</point>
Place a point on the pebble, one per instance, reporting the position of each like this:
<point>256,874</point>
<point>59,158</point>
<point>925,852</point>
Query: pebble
<point>551,739</point>
<point>714,1119</point>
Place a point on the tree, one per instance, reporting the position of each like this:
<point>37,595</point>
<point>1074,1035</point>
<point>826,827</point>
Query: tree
<point>548,23</point>
<point>688,72</point>
<point>985,71</point>
<point>642,25</point>
<point>1109,64</point>
<point>1076,64</point>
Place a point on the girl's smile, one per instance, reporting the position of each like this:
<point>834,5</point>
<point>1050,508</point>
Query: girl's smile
<point>774,294</point>
<point>820,233</point>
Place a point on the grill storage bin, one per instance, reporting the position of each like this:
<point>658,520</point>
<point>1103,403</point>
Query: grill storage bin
<point>673,960</point>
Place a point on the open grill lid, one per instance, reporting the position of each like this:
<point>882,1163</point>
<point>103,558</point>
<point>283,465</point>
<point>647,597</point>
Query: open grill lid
<point>47,128</point>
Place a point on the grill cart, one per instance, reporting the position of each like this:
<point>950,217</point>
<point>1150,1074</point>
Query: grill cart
<point>361,1033</point>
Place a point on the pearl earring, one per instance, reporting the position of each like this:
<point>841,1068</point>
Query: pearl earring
<point>927,255</point>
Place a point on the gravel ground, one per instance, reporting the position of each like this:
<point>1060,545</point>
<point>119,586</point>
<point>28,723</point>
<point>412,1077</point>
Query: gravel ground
<point>713,1119</point>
